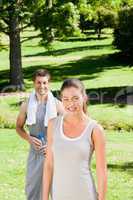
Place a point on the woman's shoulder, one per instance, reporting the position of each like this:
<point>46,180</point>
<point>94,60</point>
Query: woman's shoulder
<point>98,130</point>
<point>96,126</point>
<point>55,121</point>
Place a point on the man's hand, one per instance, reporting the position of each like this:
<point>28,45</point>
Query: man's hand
<point>43,149</point>
<point>37,144</point>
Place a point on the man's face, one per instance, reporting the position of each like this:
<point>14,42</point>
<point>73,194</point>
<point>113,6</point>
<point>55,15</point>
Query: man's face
<point>41,85</point>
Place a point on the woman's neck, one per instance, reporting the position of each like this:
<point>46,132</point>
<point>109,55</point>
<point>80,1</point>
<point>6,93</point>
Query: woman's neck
<point>77,117</point>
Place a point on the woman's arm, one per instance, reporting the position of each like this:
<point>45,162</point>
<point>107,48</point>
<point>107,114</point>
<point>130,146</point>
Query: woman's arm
<point>101,166</point>
<point>48,164</point>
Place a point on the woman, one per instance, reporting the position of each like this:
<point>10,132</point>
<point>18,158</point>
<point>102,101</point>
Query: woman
<point>72,138</point>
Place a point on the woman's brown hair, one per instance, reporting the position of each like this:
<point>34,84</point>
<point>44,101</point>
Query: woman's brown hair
<point>73,82</point>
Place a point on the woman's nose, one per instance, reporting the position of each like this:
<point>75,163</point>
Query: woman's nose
<point>71,102</point>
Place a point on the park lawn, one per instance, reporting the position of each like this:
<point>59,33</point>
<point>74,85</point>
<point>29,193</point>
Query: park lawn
<point>14,152</point>
<point>86,58</point>
<point>90,60</point>
<point>111,116</point>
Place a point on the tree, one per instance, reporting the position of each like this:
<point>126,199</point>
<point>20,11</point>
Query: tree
<point>123,32</point>
<point>104,18</point>
<point>86,15</point>
<point>18,14</point>
<point>16,76</point>
<point>9,24</point>
<point>49,31</point>
<point>14,17</point>
<point>98,14</point>
<point>46,19</point>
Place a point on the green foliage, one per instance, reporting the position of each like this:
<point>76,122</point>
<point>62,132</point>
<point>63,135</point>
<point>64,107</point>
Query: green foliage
<point>86,14</point>
<point>113,117</point>
<point>124,3</point>
<point>16,9</point>
<point>97,3</point>
<point>115,4</point>
<point>70,25</point>
<point>123,32</point>
<point>43,19</point>
<point>97,14</point>
<point>5,123</point>
<point>86,11</point>
<point>105,17</point>
<point>59,21</point>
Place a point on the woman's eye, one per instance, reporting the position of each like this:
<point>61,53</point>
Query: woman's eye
<point>75,98</point>
<point>65,99</point>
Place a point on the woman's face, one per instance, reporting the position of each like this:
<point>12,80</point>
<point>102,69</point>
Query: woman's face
<point>72,100</point>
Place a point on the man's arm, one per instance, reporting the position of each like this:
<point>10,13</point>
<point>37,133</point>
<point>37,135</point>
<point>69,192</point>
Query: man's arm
<point>20,128</point>
<point>21,122</point>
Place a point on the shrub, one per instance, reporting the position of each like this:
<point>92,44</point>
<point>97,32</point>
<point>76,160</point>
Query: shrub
<point>123,32</point>
<point>6,123</point>
<point>104,18</point>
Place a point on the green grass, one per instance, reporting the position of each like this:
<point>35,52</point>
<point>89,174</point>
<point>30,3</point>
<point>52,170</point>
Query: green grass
<point>120,166</point>
<point>113,117</point>
<point>13,155</point>
<point>86,58</point>
<point>93,62</point>
<point>13,152</point>
<point>9,107</point>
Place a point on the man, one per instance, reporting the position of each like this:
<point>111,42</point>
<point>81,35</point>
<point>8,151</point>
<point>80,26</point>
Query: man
<point>36,112</point>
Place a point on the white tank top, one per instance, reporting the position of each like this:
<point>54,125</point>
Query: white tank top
<point>72,179</point>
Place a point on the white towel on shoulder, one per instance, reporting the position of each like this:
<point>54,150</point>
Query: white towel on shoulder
<point>51,111</point>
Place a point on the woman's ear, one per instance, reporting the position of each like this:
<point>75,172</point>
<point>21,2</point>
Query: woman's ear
<point>86,98</point>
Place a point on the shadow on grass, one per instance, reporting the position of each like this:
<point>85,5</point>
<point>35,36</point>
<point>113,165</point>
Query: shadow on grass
<point>126,167</point>
<point>3,47</point>
<point>123,166</point>
<point>4,81</point>
<point>78,39</point>
<point>86,68</point>
<point>69,50</point>
<point>72,39</point>
<point>27,38</point>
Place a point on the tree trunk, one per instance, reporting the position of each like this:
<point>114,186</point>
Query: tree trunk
<point>16,76</point>
<point>99,33</point>
<point>50,32</point>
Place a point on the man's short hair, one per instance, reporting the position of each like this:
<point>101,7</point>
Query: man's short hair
<point>41,72</point>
